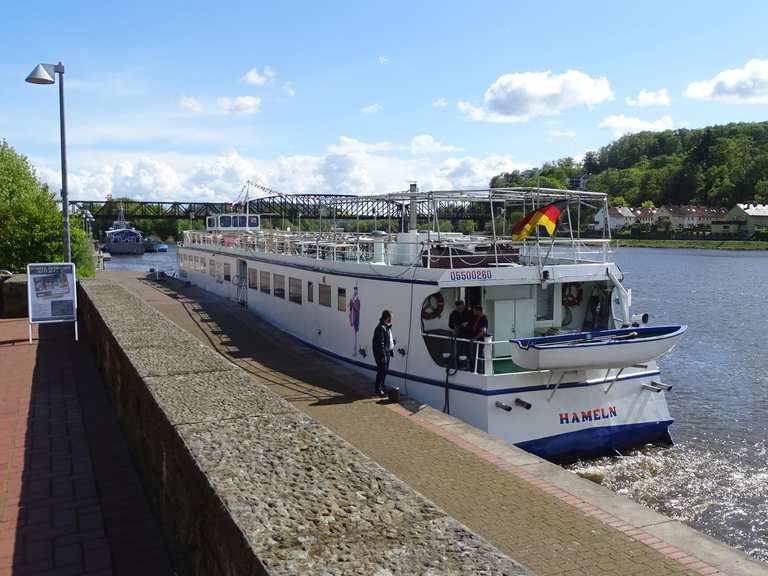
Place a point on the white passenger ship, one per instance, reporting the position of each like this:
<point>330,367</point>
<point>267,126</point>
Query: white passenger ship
<point>567,371</point>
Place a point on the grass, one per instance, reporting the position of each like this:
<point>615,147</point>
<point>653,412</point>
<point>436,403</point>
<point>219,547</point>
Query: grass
<point>704,244</point>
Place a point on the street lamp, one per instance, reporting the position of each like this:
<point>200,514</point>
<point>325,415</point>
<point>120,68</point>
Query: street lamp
<point>45,74</point>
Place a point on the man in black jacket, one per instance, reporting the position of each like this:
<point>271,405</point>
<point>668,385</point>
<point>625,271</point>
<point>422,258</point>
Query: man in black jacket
<point>383,348</point>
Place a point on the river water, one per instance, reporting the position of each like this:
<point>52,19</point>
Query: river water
<point>163,261</point>
<point>715,478</point>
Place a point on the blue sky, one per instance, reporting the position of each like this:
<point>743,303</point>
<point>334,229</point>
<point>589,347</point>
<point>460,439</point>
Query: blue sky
<point>360,97</point>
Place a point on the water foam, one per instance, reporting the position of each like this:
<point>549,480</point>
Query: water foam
<point>714,485</point>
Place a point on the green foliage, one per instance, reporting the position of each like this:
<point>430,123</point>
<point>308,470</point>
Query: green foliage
<point>467,226</point>
<point>716,166</point>
<point>618,201</point>
<point>647,204</point>
<point>83,253</point>
<point>30,221</point>
<point>761,191</point>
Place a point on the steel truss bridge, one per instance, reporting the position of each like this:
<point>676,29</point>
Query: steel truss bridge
<point>289,207</point>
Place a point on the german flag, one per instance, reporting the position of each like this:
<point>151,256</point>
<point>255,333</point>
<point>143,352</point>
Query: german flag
<point>545,216</point>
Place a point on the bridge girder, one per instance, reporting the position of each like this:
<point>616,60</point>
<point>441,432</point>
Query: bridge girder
<point>289,207</point>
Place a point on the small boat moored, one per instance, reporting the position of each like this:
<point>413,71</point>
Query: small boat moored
<point>618,348</point>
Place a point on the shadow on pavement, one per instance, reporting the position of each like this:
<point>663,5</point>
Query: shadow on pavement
<point>264,351</point>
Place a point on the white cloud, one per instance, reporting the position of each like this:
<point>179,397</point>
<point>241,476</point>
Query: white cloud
<point>239,105</point>
<point>747,85</point>
<point>383,59</point>
<point>521,96</point>
<point>648,98</point>
<point>426,144</point>
<point>371,109</point>
<point>440,103</point>
<point>254,78</point>
<point>289,89</point>
<point>620,124</point>
<point>190,104</point>
<point>347,145</point>
<point>563,133</point>
<point>269,72</point>
<point>350,166</point>
<point>420,145</point>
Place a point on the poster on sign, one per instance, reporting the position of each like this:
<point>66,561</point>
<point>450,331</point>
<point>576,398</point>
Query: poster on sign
<point>51,294</point>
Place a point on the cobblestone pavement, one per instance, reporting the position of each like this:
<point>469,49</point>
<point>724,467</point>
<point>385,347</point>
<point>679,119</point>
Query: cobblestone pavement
<point>70,499</point>
<point>533,526</point>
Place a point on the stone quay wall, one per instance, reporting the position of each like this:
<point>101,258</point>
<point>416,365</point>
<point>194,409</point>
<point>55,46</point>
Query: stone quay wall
<point>243,482</point>
<point>13,296</point>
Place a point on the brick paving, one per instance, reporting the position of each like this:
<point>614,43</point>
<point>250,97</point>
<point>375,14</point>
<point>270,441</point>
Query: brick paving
<point>532,520</point>
<point>70,499</point>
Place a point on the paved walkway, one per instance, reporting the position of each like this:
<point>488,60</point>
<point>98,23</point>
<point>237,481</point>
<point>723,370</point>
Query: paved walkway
<point>533,521</point>
<point>70,499</point>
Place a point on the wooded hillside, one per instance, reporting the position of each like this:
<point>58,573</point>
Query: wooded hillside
<point>715,166</point>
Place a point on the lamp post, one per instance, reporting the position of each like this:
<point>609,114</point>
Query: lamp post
<point>45,74</point>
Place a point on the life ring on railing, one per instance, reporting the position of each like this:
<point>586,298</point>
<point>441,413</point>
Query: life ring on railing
<point>433,306</point>
<point>573,293</point>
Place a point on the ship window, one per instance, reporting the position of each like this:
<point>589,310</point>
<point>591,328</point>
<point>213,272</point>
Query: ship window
<point>211,222</point>
<point>242,221</point>
<point>545,302</point>
<point>342,300</point>
<point>278,289</point>
<point>310,291</point>
<point>212,268</point>
<point>225,221</point>
<point>227,272</point>
<point>294,290</point>
<point>202,264</point>
<point>253,279</point>
<point>264,281</point>
<point>324,295</point>
<point>253,221</point>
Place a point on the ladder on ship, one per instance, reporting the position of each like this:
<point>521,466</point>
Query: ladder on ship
<point>242,291</point>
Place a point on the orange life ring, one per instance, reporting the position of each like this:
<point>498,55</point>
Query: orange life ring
<point>573,293</point>
<point>433,306</point>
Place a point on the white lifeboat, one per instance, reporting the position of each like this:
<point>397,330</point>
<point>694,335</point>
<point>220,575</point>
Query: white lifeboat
<point>598,349</point>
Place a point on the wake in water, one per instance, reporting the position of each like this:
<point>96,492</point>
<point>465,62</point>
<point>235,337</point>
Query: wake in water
<point>716,486</point>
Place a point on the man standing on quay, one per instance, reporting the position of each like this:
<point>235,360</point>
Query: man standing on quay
<point>383,349</point>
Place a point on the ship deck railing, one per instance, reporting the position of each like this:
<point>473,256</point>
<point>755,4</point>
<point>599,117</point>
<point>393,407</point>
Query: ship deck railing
<point>475,355</point>
<point>435,252</point>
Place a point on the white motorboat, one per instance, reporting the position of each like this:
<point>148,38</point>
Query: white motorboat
<point>599,349</point>
<point>560,399</point>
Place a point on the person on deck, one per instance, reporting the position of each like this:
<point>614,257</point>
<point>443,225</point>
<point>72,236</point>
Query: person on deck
<point>460,319</point>
<point>479,330</point>
<point>383,349</point>
<point>459,322</point>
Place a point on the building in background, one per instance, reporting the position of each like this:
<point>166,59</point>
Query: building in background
<point>742,220</point>
<point>618,217</point>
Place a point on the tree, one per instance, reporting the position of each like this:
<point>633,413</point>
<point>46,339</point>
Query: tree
<point>617,201</point>
<point>761,191</point>
<point>467,226</point>
<point>647,204</point>
<point>30,221</point>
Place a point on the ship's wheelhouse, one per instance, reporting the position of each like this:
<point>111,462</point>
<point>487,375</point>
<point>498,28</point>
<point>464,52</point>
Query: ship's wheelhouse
<point>234,222</point>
